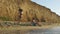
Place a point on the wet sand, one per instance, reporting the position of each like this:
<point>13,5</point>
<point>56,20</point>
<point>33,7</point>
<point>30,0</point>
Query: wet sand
<point>30,30</point>
<point>19,29</point>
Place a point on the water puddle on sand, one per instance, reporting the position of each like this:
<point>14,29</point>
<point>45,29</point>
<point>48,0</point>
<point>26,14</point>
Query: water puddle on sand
<point>53,30</point>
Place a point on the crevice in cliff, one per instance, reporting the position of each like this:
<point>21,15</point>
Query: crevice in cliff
<point>19,14</point>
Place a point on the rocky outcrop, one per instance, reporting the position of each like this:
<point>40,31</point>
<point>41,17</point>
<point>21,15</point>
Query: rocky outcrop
<point>9,11</point>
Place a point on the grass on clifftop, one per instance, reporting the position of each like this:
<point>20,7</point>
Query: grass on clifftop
<point>5,18</point>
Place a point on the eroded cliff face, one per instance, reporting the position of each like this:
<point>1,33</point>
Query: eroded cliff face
<point>9,10</point>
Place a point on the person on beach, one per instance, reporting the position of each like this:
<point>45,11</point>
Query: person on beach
<point>34,22</point>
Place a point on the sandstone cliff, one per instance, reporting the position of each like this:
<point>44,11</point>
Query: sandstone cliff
<point>9,11</point>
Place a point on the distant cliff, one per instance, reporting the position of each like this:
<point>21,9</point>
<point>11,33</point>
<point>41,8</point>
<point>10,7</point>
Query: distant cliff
<point>9,11</point>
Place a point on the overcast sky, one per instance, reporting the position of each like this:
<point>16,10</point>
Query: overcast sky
<point>54,5</point>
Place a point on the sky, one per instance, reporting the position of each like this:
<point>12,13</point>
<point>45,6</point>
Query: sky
<point>54,5</point>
